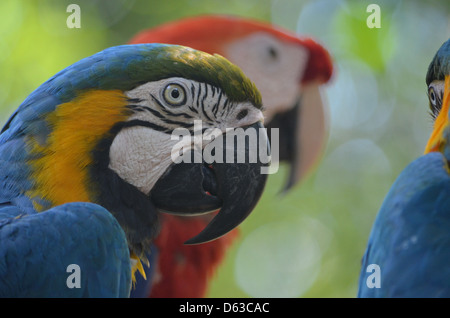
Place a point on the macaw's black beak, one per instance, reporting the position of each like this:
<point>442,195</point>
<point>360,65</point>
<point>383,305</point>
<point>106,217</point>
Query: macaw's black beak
<point>232,183</point>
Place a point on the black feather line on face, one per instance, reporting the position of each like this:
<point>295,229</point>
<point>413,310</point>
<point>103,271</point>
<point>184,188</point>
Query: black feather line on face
<point>216,106</point>
<point>140,108</point>
<point>205,94</point>
<point>192,90</point>
<point>184,115</point>
<point>227,106</point>
<point>179,124</point>
<point>193,109</point>
<point>166,111</point>
<point>201,104</point>
<point>143,123</point>
<point>199,94</point>
<point>134,100</point>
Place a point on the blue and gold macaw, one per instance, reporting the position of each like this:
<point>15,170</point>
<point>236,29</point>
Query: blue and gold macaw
<point>87,163</point>
<point>409,247</point>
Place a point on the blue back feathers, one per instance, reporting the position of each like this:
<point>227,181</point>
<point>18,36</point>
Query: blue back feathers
<point>410,236</point>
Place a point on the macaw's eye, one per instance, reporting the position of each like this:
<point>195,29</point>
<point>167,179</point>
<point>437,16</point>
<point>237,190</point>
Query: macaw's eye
<point>432,95</point>
<point>435,97</point>
<point>174,95</point>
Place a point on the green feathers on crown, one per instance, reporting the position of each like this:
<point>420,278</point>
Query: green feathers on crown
<point>125,67</point>
<point>171,60</point>
<point>151,62</point>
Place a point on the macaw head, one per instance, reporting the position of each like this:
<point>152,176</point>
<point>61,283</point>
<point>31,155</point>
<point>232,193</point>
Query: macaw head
<point>102,131</point>
<point>438,82</point>
<point>287,70</point>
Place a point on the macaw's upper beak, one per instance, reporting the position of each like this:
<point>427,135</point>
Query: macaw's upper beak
<point>228,184</point>
<point>302,132</point>
<point>441,131</point>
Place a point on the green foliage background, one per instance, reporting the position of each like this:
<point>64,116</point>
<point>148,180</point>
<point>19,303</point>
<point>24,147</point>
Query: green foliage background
<point>307,243</point>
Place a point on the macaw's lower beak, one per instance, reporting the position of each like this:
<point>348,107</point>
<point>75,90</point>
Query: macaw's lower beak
<point>228,183</point>
<point>441,131</point>
<point>302,132</point>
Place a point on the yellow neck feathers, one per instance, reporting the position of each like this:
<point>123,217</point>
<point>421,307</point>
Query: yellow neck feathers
<point>60,171</point>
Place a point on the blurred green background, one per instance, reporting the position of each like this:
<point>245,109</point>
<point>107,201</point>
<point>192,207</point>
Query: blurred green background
<point>308,243</point>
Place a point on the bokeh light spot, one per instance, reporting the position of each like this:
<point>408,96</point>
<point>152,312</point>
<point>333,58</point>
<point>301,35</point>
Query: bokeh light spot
<point>281,259</point>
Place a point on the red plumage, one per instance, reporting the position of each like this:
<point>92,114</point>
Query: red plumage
<point>183,271</point>
<point>212,33</point>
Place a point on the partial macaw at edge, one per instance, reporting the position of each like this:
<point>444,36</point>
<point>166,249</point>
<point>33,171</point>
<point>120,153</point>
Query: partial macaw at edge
<point>410,239</point>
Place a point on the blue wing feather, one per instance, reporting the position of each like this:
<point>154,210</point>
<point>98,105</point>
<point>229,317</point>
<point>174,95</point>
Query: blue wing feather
<point>37,249</point>
<point>410,240</point>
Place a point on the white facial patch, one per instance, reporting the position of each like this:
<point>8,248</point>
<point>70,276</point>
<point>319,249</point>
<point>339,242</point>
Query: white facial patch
<point>140,155</point>
<point>274,66</point>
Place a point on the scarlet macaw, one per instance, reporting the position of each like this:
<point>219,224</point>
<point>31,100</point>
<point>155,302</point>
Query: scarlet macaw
<point>409,246</point>
<point>86,164</point>
<point>288,71</point>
